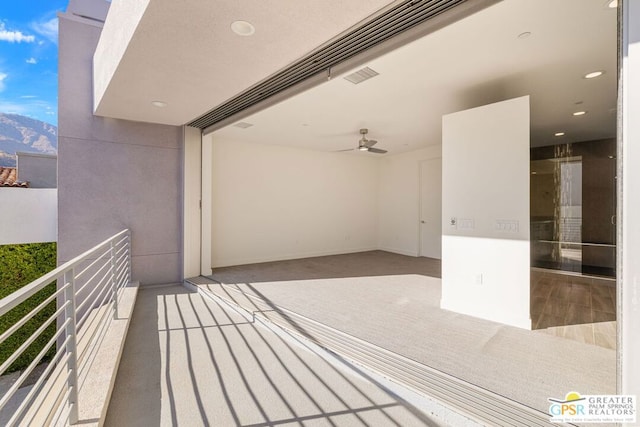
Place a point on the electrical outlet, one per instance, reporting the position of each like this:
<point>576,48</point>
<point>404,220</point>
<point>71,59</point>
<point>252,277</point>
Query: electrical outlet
<point>479,279</point>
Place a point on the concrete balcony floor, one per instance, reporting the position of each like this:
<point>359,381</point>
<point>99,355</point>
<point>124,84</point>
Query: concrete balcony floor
<point>190,361</point>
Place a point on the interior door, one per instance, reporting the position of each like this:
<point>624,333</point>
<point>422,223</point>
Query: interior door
<point>431,208</point>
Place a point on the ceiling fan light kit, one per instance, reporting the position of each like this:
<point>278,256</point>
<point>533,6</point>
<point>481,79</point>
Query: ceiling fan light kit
<point>365,144</point>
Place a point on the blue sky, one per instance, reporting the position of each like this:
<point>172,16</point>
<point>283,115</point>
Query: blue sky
<point>29,58</point>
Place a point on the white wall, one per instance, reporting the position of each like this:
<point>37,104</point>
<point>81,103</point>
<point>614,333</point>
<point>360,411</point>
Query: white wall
<point>272,202</point>
<point>399,202</point>
<point>29,215</point>
<point>40,170</point>
<point>191,205</point>
<point>485,179</point>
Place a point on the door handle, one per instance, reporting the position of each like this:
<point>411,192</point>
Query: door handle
<point>422,222</point>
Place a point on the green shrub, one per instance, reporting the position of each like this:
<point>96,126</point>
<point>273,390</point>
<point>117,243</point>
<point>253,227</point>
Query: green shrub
<point>20,265</point>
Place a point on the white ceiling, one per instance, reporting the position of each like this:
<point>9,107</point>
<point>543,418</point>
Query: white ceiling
<point>476,61</point>
<point>184,52</point>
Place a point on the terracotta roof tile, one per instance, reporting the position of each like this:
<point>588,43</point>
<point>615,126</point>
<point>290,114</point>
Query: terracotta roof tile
<point>8,178</point>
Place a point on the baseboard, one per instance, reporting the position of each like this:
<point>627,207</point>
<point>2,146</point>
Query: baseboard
<point>399,251</point>
<point>288,257</point>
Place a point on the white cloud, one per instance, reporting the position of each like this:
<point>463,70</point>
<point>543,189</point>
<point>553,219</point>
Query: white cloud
<point>47,29</point>
<point>28,96</point>
<point>32,61</point>
<point>14,108</point>
<point>14,36</point>
<point>2,77</point>
<point>30,108</point>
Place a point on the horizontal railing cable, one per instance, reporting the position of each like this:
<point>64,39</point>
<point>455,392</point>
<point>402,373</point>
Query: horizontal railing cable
<point>59,358</point>
<point>6,334</point>
<point>9,361</point>
<point>98,273</point>
<point>98,300</point>
<point>86,301</point>
<point>104,281</point>
<point>24,375</point>
<point>101,257</point>
<point>92,327</point>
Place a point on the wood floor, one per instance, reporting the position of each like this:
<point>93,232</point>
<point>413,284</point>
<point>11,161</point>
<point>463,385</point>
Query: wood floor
<point>574,307</point>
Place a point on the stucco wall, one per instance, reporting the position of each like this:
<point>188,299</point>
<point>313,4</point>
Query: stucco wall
<point>114,174</point>
<point>30,216</point>
<point>39,169</point>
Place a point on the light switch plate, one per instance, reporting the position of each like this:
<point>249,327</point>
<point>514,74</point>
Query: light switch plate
<point>507,225</point>
<point>466,224</point>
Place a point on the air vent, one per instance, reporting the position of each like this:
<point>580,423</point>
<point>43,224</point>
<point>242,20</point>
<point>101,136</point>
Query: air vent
<point>361,75</point>
<point>243,125</point>
<point>396,20</point>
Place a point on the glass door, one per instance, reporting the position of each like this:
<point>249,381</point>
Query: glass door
<point>573,207</point>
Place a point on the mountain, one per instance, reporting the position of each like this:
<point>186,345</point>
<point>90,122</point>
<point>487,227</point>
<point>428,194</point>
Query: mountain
<point>24,134</point>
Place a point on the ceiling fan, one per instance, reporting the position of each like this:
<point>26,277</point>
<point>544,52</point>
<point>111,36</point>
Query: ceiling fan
<point>365,144</point>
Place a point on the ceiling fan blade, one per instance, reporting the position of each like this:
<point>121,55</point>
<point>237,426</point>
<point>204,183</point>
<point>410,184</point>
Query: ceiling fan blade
<point>340,151</point>
<point>377,151</point>
<point>371,142</point>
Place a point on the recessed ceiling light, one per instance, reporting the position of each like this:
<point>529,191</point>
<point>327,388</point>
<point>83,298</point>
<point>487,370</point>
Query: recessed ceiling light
<point>593,74</point>
<point>159,104</point>
<point>613,4</point>
<point>243,28</point>
<point>559,134</point>
<point>579,113</point>
<point>524,35</point>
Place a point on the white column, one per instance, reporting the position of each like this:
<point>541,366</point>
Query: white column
<point>485,212</point>
<point>207,200</point>
<point>629,204</point>
<point>192,172</point>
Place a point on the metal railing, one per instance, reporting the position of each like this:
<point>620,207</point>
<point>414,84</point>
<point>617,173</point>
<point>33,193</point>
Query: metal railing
<point>87,294</point>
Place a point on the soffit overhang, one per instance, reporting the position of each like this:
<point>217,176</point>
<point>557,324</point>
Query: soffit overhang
<point>185,54</point>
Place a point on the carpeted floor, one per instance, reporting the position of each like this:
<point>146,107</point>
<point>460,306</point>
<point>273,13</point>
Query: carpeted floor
<point>393,301</point>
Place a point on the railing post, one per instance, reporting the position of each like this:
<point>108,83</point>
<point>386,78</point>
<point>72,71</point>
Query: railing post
<point>114,280</point>
<point>72,347</point>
